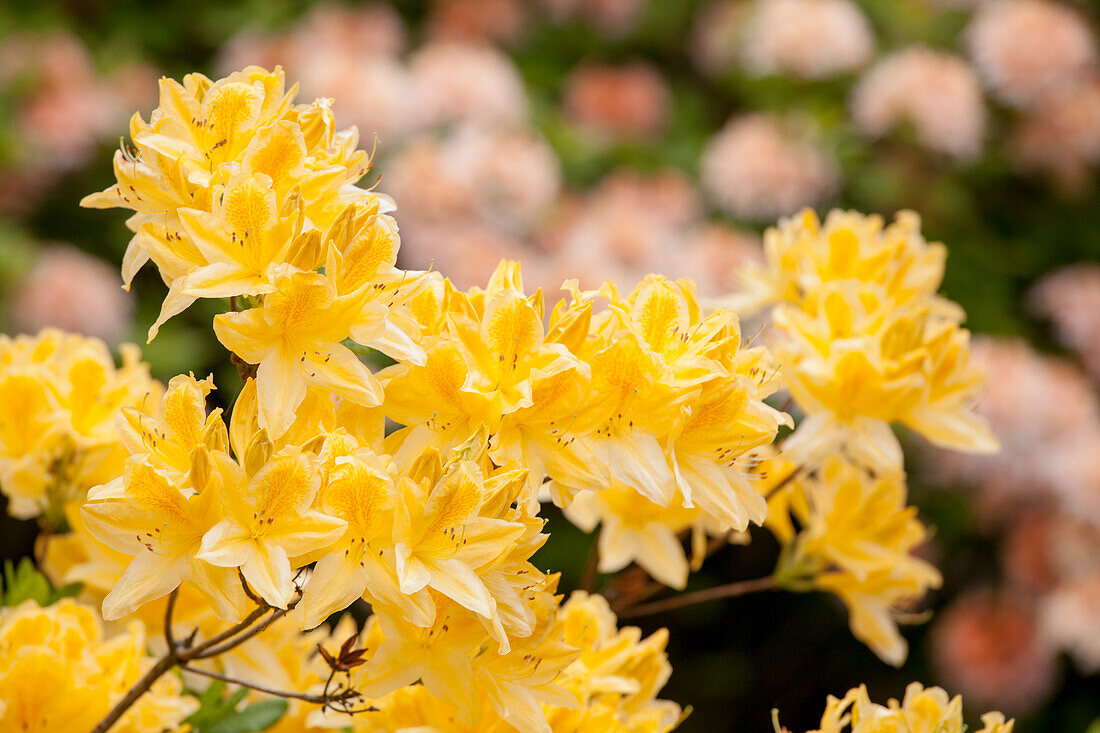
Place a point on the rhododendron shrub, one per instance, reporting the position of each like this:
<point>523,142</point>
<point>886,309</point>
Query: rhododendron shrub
<point>415,491</point>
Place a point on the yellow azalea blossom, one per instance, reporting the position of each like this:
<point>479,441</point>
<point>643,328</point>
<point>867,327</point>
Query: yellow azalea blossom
<point>442,535</point>
<point>610,683</point>
<point>857,542</point>
<point>295,338</point>
<point>923,710</point>
<point>269,521</point>
<point>202,135</point>
<point>60,674</point>
<point>361,491</point>
<point>171,438</point>
<point>803,254</point>
<point>78,557</point>
<point>144,515</point>
<point>857,363</point>
<point>634,529</point>
<point>61,393</point>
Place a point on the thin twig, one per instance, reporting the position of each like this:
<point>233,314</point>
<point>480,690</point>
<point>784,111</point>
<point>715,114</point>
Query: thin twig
<point>162,665</point>
<point>729,590</point>
<point>228,633</point>
<point>315,699</point>
<point>591,567</point>
<point>169,637</point>
<point>782,484</point>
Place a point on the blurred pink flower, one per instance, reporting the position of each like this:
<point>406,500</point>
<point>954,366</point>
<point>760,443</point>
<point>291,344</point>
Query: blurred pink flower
<point>1070,297</point>
<point>812,39</point>
<point>73,291</point>
<point>504,177</point>
<point>1026,553</point>
<point>987,648</point>
<point>460,82</point>
<point>1060,135</point>
<point>936,92</point>
<point>62,109</point>
<point>348,54</point>
<point>629,101</point>
<point>1068,620</point>
<point>1025,48</point>
<point>472,21</point>
<point>762,166</point>
<point>716,35</point>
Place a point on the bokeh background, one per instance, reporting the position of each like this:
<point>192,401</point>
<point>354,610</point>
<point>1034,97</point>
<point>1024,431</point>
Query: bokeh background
<point>610,138</point>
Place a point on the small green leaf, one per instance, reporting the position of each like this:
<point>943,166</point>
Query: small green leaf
<point>24,582</point>
<point>254,718</point>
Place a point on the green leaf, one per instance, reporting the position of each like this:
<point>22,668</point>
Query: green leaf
<point>252,719</point>
<point>24,582</point>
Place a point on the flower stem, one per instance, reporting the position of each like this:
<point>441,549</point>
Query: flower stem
<point>729,590</point>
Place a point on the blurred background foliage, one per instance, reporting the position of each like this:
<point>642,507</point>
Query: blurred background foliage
<point>1005,229</point>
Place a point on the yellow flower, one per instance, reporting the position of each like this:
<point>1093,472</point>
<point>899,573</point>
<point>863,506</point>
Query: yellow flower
<point>295,338</point>
<point>231,182</point>
<point>269,522</point>
<point>857,542</point>
<point>57,437</point>
<point>361,491</point>
<point>855,363</point>
<point>803,255</point>
<point>634,529</point>
<point>161,526</point>
<point>58,674</point>
<point>923,710</point>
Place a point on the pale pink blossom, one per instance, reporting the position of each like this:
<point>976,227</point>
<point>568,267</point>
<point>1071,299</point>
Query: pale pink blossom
<point>1070,297</point>
<point>458,82</point>
<point>934,91</point>
<point>716,35</point>
<point>346,54</point>
<point>987,648</point>
<point>476,21</point>
<point>1060,135</point>
<point>761,166</point>
<point>628,101</point>
<point>1068,620</point>
<point>812,39</point>
<point>504,177</point>
<point>73,291</point>
<point>1026,48</point>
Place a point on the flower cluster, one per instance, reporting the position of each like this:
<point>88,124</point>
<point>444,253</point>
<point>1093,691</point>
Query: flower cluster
<point>611,685</point>
<point>57,439</point>
<point>865,343</point>
<point>922,709</point>
<point>628,410</point>
<point>641,412</point>
<point>59,673</point>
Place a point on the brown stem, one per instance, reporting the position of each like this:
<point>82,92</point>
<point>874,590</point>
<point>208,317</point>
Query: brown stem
<point>591,566</point>
<point>169,637</point>
<point>162,665</point>
<point>729,590</point>
<point>228,633</point>
<point>782,484</point>
<point>315,699</point>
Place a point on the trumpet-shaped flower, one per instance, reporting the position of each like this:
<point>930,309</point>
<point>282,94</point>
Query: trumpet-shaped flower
<point>270,521</point>
<point>857,363</point>
<point>923,710</point>
<point>295,338</point>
